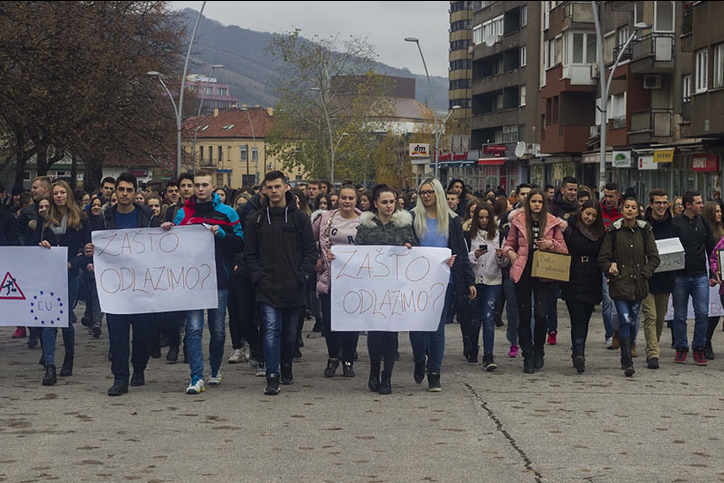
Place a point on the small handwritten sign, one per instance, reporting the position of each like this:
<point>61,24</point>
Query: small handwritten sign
<point>148,270</point>
<point>34,286</point>
<point>551,265</point>
<point>671,253</point>
<point>386,288</point>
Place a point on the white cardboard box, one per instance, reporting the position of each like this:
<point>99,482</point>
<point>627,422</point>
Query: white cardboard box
<point>671,253</point>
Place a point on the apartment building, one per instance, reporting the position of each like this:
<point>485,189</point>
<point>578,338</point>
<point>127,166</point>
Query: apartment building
<point>506,39</point>
<point>460,71</point>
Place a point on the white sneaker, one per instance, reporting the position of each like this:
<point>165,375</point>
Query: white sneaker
<point>235,358</point>
<point>609,342</point>
<point>245,352</point>
<point>197,388</point>
<point>215,380</point>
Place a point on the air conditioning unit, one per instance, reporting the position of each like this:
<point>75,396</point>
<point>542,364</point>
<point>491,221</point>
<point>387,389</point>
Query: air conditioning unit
<point>652,82</point>
<point>593,131</point>
<point>595,71</point>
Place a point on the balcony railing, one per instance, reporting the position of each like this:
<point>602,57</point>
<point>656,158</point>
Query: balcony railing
<point>659,45</point>
<point>618,122</point>
<point>627,54</point>
<point>578,12</point>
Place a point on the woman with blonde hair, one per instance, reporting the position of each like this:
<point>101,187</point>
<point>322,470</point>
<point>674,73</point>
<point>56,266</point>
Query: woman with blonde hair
<point>66,225</point>
<point>436,225</point>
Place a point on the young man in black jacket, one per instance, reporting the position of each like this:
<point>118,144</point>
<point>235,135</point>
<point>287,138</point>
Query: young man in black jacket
<point>280,254</point>
<point>661,284</point>
<point>698,242</point>
<point>126,214</point>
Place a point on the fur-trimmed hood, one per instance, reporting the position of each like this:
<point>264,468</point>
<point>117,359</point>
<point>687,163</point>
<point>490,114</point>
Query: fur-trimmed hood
<point>316,214</point>
<point>400,219</point>
<point>519,215</point>
<point>618,224</point>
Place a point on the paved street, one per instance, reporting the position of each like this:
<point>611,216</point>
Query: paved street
<point>556,425</point>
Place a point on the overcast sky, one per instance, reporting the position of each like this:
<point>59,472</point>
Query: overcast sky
<point>383,24</point>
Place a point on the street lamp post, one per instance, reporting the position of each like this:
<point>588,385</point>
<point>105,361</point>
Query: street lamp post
<point>432,102</point>
<point>606,84</point>
<point>179,109</point>
<point>198,115</point>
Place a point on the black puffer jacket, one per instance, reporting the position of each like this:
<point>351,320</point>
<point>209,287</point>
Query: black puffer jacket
<point>662,282</point>
<point>280,253</point>
<point>562,208</point>
<point>585,284</point>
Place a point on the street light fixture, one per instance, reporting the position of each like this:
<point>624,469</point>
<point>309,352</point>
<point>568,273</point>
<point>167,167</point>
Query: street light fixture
<point>198,115</point>
<point>606,83</point>
<point>432,102</point>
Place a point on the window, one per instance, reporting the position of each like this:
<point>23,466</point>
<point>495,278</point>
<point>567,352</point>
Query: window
<point>255,154</point>
<point>201,154</point>
<point>243,155</point>
<point>524,15</point>
<point>584,48</point>
<point>546,14</point>
<point>618,111</point>
<point>638,12</point>
<point>701,70</point>
<point>545,56</point>
<point>493,27</point>
<point>510,134</point>
<point>609,41</point>
<point>558,43</point>
<point>686,86</point>
<point>718,73</point>
<point>478,34</point>
<point>221,154</point>
<point>222,92</point>
<point>622,36</point>
<point>522,96</point>
<point>663,16</point>
<point>523,56</point>
<point>208,90</point>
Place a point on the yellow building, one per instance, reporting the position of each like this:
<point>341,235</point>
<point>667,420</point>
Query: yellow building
<point>232,142</point>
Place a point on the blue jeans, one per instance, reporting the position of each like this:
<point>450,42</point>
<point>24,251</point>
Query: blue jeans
<point>698,287</point>
<point>194,333</point>
<point>280,335</point>
<point>628,316</point>
<point>511,310</point>
<point>484,314</point>
<point>552,314</point>
<point>433,343</point>
<point>49,334</point>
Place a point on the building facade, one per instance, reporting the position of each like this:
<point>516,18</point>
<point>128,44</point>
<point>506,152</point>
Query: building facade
<point>210,93</point>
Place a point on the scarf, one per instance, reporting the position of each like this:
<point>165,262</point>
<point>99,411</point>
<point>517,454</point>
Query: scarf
<point>60,230</point>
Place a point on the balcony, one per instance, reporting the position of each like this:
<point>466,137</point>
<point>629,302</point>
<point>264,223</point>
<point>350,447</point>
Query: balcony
<point>578,13</point>
<point>647,126</point>
<point>626,55</point>
<point>653,54</point>
<point>564,138</point>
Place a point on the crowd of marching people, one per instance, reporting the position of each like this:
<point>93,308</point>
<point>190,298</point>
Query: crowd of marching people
<point>273,250</point>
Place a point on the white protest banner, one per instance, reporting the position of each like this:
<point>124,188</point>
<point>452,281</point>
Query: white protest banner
<point>34,286</point>
<point>715,307</point>
<point>388,288</point>
<point>148,270</point>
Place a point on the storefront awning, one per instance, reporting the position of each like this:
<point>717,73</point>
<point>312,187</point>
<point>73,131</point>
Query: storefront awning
<point>466,163</point>
<point>491,161</point>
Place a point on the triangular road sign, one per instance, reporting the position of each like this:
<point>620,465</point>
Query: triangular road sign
<point>9,289</point>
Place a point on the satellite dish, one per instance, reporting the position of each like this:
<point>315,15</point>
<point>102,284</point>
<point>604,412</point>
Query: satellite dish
<point>489,40</point>
<point>520,149</point>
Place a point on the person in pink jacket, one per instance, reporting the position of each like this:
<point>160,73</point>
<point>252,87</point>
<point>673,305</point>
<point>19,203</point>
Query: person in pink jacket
<point>532,228</point>
<point>336,227</point>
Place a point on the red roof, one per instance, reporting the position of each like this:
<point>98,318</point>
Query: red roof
<point>233,123</point>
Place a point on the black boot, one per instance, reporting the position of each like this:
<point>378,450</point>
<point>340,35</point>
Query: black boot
<point>286,377</point>
<point>42,360</point>
<point>374,382</point>
<point>466,347</point>
<point>348,369</point>
<point>67,368</point>
<point>386,384</point>
<point>538,360</point>
<point>626,359</point>
<point>49,378</point>
<point>332,365</point>
<point>528,365</point>
<point>579,358</point>
<point>138,378</point>
<point>710,329</point>
<point>473,354</point>
<point>433,382</point>
<point>419,373</point>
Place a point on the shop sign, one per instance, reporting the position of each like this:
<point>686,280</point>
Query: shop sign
<point>622,159</point>
<point>664,156</point>
<point>595,158</point>
<point>139,172</point>
<point>418,150</point>
<point>704,162</point>
<point>495,149</point>
<point>647,162</point>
